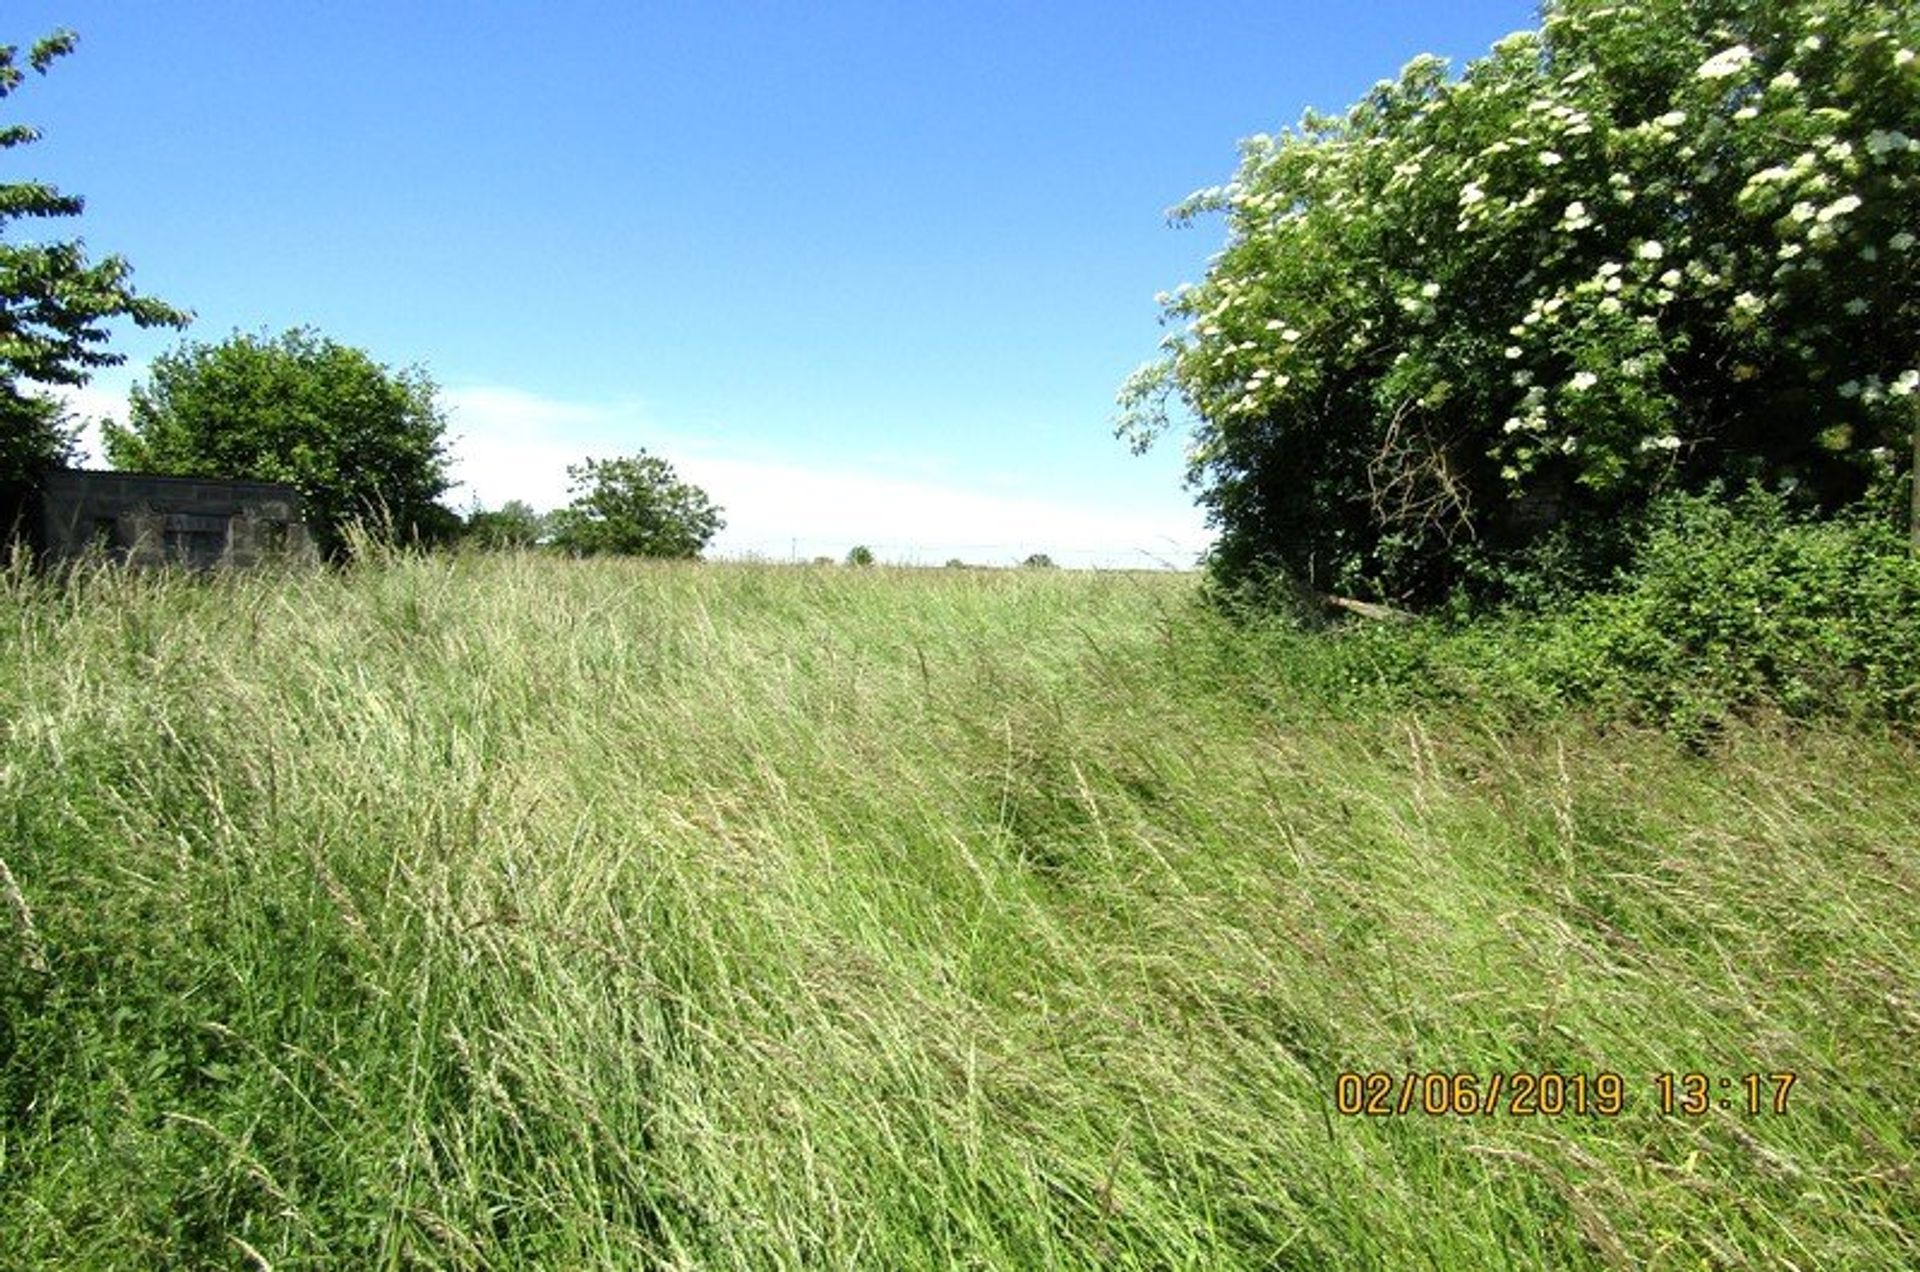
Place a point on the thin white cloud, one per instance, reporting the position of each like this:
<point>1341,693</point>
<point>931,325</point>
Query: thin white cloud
<point>517,445</point>
<point>781,510</point>
<point>510,444</point>
<point>493,406</point>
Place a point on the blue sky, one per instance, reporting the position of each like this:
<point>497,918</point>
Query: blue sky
<point>867,272</point>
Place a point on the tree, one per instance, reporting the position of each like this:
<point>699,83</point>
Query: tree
<point>1647,246</point>
<point>512,525</point>
<point>860,554</point>
<point>357,439</point>
<point>52,302</point>
<point>1038,561</point>
<point>634,506</point>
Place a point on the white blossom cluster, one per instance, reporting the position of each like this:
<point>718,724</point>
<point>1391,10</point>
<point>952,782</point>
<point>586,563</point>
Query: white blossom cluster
<point>1758,194</point>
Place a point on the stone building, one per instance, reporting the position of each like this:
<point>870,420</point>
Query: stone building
<point>144,519</point>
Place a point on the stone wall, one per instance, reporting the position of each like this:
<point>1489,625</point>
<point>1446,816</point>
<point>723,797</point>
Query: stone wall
<point>144,519</point>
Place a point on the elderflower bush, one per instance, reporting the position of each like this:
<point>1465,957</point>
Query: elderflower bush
<point>1644,246</point>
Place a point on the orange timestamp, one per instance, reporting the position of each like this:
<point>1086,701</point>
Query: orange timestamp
<point>1552,1094</point>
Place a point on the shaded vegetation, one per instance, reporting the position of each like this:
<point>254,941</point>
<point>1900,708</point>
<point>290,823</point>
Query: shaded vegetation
<point>1730,607</point>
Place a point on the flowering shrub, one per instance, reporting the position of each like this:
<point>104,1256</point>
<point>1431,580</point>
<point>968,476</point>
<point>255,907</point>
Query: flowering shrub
<point>1647,246</point>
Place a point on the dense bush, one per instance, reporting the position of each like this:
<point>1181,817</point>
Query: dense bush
<point>1731,607</point>
<point>361,441</point>
<point>1735,606</point>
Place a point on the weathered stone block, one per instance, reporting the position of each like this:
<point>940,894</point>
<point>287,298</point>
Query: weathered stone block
<point>146,519</point>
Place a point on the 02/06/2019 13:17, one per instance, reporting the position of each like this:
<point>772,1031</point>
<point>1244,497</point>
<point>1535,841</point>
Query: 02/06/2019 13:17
<point>1551,1094</point>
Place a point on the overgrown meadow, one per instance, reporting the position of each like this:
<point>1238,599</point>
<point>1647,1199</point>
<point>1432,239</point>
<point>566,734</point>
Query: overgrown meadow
<point>502,911</point>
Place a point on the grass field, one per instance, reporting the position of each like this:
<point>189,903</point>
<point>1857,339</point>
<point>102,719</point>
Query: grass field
<point>511,912</point>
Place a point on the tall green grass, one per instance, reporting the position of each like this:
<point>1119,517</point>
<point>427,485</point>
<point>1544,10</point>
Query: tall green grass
<point>510,912</point>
